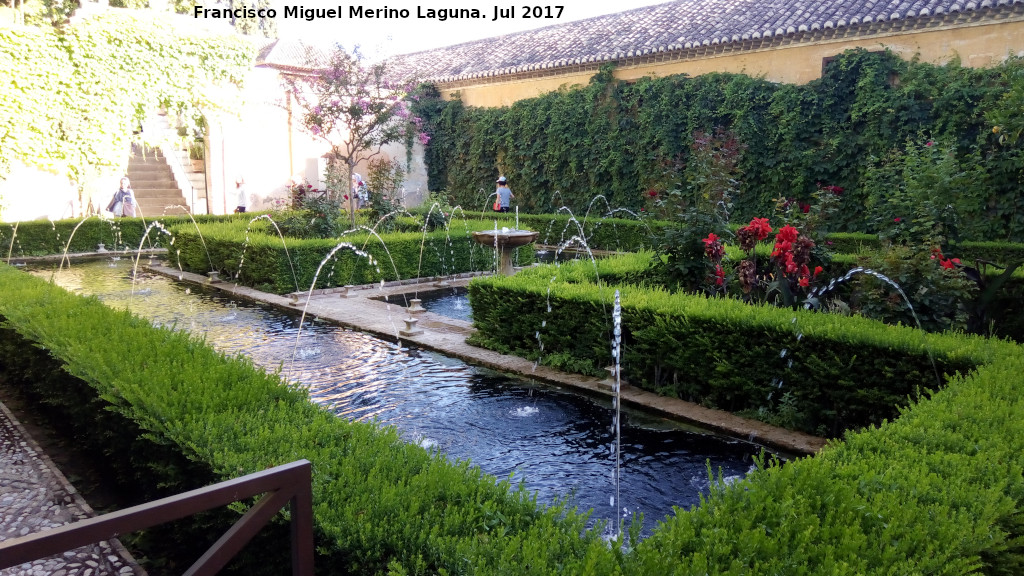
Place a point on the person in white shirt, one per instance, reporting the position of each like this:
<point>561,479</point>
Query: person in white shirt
<point>243,196</point>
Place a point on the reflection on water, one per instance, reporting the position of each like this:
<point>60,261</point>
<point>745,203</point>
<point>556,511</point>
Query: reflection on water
<point>450,302</point>
<point>560,444</point>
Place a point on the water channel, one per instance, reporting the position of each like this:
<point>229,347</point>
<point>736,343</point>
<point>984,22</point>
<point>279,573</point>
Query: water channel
<point>559,443</point>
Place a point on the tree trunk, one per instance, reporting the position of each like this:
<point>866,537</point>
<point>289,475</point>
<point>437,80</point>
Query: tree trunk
<point>351,195</point>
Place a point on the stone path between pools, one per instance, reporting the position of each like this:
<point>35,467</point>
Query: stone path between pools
<point>35,496</point>
<point>363,308</point>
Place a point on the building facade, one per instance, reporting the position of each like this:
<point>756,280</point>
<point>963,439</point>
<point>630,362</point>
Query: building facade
<point>780,40</point>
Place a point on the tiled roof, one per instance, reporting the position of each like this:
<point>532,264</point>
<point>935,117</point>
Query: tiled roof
<point>684,25</point>
<point>292,55</point>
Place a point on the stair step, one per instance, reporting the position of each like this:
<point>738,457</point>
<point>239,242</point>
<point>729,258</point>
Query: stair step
<point>156,191</point>
<point>144,175</point>
<point>161,181</point>
<point>164,210</point>
<point>161,201</point>
<point>144,191</point>
<point>154,184</point>
<point>158,207</point>
<point>150,175</point>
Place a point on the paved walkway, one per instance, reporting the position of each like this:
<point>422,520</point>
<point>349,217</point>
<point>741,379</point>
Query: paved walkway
<point>35,496</point>
<point>363,308</point>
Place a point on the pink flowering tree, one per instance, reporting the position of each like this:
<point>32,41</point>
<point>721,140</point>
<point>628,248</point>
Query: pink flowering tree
<point>357,108</point>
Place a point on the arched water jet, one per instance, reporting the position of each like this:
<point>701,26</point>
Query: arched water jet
<point>467,234</point>
<point>559,194</point>
<point>813,301</point>
<point>487,200</point>
<point>581,232</point>
<point>241,259</point>
<point>138,254</point>
<point>448,239</point>
<point>362,251</point>
<point>312,286</point>
<point>590,207</point>
<point>194,223</point>
<point>14,235</point>
<point>67,246</point>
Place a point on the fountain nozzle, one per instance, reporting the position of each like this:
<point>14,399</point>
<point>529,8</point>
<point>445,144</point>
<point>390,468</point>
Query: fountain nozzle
<point>410,328</point>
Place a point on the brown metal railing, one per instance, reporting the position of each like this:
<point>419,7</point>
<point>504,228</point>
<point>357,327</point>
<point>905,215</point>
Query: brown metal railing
<point>290,484</point>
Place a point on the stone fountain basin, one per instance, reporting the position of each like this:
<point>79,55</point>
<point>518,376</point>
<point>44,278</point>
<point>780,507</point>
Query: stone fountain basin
<point>505,238</point>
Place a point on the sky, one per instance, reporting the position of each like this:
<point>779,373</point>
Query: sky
<point>382,37</point>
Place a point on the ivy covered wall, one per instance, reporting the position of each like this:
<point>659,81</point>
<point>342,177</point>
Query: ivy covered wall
<point>622,140</point>
<point>71,98</point>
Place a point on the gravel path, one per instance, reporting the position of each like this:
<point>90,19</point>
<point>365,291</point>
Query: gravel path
<point>35,496</point>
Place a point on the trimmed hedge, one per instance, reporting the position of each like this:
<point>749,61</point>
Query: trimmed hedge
<point>937,491</point>
<point>42,238</point>
<point>380,504</point>
<point>257,256</point>
<point>599,233</point>
<point>826,372</point>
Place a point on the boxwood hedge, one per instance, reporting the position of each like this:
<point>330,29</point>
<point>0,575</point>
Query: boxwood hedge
<point>257,256</point>
<point>938,490</point>
<point>831,373</point>
<point>186,415</point>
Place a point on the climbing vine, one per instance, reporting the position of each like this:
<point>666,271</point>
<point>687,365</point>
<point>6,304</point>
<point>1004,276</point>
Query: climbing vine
<point>621,139</point>
<point>70,99</point>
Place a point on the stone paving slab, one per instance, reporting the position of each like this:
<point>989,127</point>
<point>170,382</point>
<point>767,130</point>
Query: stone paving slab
<point>363,308</point>
<point>35,496</point>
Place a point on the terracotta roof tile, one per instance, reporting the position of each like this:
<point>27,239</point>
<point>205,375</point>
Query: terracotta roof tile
<point>292,55</point>
<point>677,25</point>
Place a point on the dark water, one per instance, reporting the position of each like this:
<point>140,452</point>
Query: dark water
<point>560,444</point>
<point>450,302</point>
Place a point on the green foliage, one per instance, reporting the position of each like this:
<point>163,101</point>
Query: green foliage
<point>319,216</point>
<point>41,238</point>
<point>70,100</point>
<point>354,106</point>
<point>701,210</point>
<point>939,298</point>
<point>841,372</point>
<point>254,255</point>
<point>438,213</point>
<point>915,195</point>
<point>937,490</point>
<point>385,178</point>
<point>45,12</point>
<point>257,26</point>
<point>188,416</point>
<point>620,140</point>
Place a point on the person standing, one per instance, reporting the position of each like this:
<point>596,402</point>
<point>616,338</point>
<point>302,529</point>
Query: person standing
<point>243,196</point>
<point>117,203</point>
<point>505,194</point>
<point>128,204</point>
<point>358,195</point>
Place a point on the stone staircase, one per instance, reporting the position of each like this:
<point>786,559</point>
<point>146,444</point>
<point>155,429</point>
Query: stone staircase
<point>155,189</point>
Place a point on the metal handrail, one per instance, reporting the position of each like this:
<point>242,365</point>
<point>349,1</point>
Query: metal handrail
<point>289,484</point>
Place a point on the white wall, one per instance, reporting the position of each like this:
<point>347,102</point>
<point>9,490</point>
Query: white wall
<point>266,145</point>
<point>32,194</point>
